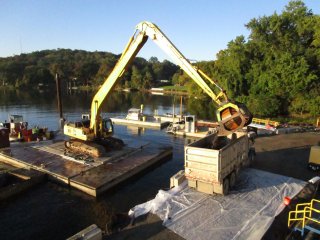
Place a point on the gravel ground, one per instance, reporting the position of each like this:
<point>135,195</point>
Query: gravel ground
<point>285,154</point>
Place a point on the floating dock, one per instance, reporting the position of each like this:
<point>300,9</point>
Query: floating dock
<point>170,119</point>
<point>148,123</point>
<point>199,134</point>
<point>93,178</point>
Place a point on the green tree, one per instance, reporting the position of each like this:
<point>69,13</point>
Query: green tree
<point>264,106</point>
<point>147,80</point>
<point>279,60</point>
<point>136,78</point>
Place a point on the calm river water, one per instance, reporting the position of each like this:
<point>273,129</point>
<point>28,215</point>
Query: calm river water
<point>51,211</point>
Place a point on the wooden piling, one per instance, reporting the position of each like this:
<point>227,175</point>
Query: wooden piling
<point>58,85</point>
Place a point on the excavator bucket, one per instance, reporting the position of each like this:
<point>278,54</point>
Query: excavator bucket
<point>233,116</point>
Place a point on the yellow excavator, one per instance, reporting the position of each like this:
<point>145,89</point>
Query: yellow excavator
<point>93,129</point>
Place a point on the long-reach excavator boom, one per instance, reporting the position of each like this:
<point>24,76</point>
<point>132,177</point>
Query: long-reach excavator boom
<point>231,115</point>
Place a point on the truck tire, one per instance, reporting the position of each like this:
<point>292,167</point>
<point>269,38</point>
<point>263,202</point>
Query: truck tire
<point>251,156</point>
<point>232,179</point>
<point>226,185</point>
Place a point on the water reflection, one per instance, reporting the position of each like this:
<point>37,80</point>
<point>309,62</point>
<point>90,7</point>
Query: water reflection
<point>41,106</point>
<point>134,130</point>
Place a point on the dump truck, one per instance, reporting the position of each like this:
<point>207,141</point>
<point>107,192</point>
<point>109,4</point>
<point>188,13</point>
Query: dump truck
<point>213,162</point>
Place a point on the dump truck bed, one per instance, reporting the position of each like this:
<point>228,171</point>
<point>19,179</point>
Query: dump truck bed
<point>213,159</point>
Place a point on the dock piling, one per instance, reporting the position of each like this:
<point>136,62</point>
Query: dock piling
<point>58,84</point>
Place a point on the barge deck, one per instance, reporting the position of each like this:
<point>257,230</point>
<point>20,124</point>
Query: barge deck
<point>94,177</point>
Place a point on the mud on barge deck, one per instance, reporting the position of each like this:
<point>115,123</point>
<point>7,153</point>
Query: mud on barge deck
<point>93,178</point>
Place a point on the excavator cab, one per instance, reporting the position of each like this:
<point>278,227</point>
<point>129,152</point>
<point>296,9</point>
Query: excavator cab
<point>107,127</point>
<point>233,116</point>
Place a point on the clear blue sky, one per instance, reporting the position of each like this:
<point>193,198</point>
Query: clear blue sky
<point>199,28</point>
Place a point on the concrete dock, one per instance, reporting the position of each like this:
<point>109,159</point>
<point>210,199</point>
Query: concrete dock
<point>93,177</point>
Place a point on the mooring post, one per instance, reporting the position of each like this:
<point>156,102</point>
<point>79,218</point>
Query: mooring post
<point>61,120</point>
<point>180,108</point>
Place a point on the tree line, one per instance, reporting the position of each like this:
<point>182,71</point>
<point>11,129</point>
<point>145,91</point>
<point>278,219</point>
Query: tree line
<point>275,71</point>
<point>82,67</point>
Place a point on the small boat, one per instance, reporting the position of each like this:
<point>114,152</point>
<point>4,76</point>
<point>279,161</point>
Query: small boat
<point>176,126</point>
<point>135,114</point>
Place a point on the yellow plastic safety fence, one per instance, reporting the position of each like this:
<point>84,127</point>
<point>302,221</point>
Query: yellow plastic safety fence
<point>265,122</point>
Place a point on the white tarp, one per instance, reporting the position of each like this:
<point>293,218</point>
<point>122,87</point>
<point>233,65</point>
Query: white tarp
<point>246,213</point>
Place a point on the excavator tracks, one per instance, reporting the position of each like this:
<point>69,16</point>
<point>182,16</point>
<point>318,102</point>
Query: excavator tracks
<point>84,150</point>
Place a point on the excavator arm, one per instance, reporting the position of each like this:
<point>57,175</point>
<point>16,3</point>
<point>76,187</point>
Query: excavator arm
<point>231,115</point>
<point>134,45</point>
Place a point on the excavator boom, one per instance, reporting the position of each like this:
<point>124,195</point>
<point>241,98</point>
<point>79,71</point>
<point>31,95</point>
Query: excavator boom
<point>231,115</point>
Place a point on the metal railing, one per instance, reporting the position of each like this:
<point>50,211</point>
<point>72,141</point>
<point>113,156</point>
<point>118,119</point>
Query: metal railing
<point>304,213</point>
<point>265,122</point>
